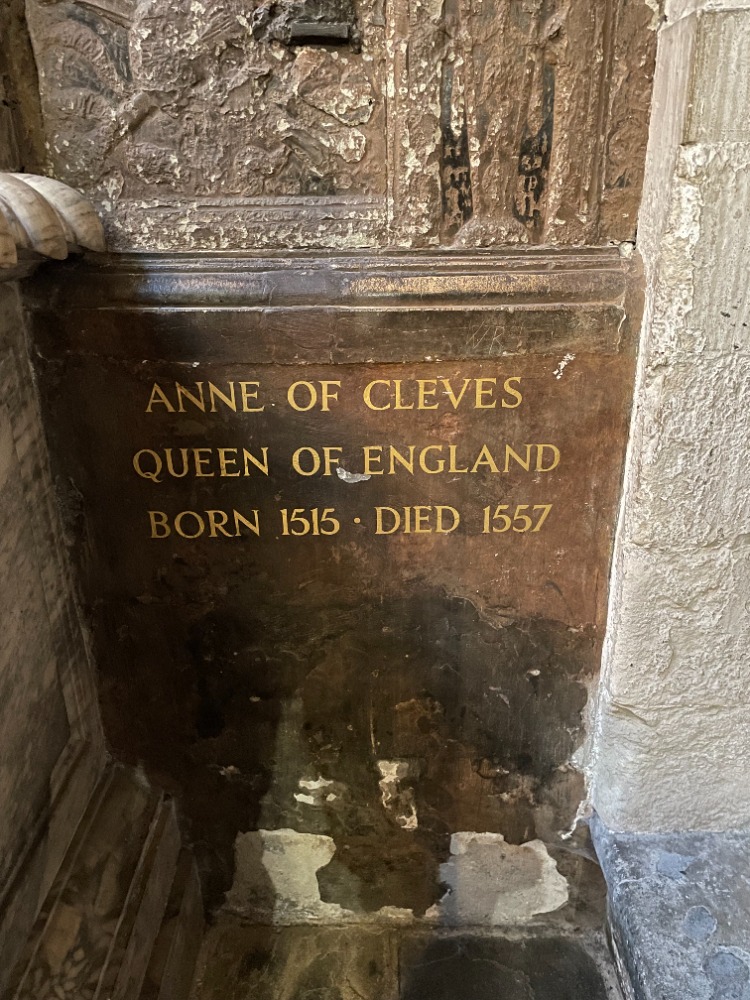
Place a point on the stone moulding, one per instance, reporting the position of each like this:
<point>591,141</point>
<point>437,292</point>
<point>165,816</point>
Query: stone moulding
<point>45,216</point>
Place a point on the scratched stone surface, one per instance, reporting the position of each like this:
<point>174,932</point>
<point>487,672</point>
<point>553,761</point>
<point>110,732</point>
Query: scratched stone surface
<point>237,125</point>
<point>407,656</point>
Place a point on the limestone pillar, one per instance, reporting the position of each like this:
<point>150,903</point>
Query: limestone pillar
<point>671,739</point>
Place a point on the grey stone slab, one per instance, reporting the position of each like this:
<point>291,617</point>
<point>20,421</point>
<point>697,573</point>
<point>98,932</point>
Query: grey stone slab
<point>470,967</point>
<point>251,962</point>
<point>680,912</point>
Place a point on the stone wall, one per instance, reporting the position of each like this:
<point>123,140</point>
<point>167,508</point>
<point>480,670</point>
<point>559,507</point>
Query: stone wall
<point>52,748</point>
<point>21,142</point>
<point>672,743</point>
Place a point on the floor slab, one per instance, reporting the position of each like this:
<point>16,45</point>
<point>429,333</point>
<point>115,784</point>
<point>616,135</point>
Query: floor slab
<point>241,962</point>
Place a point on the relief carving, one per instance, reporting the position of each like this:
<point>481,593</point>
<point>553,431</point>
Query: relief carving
<point>349,123</point>
<point>194,104</point>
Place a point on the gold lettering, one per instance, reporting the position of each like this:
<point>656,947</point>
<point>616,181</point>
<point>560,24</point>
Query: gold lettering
<point>170,464</point>
<point>455,399</point>
<point>398,404</point>
<point>253,525</point>
<point>144,473</point>
<point>216,525</point>
<point>158,396</point>
<point>228,456</point>
<point>202,458</point>
<point>380,528</point>
<point>510,453</point>
<point>373,455</point>
<point>540,456</point>
<point>440,465</point>
<point>452,460</point>
<point>481,391</point>
<point>367,394</point>
<point>327,396</point>
<point>441,511</point>
<point>423,391</point>
<point>250,459</point>
<point>485,458</point>
<point>199,522</point>
<point>297,461</point>
<point>247,395</point>
<point>311,393</point>
<point>229,401</point>
<point>407,463</point>
<point>159,524</point>
<point>190,524</point>
<point>422,520</point>
<point>330,459</point>
<point>513,392</point>
<point>182,393</point>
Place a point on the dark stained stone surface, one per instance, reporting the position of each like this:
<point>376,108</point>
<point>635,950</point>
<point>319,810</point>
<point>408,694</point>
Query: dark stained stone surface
<point>348,963</point>
<point>385,691</point>
<point>471,968</point>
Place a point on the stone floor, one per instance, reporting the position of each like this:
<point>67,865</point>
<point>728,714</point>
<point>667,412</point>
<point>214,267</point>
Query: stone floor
<point>241,962</point>
<point>680,912</point>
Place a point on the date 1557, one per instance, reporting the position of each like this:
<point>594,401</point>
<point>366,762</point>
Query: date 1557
<point>418,519</point>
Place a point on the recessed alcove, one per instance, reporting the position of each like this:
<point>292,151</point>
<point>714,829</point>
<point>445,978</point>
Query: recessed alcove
<point>313,491</point>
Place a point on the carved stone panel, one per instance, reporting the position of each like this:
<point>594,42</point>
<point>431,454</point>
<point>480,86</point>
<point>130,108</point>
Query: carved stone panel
<point>345,529</point>
<point>246,124</point>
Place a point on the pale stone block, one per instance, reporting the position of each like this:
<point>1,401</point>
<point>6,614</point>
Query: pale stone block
<point>678,770</point>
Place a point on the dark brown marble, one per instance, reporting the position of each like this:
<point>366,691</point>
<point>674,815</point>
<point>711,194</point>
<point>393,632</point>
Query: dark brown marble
<point>382,690</point>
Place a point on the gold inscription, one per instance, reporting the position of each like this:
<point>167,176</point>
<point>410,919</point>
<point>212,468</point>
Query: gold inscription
<point>410,395</point>
<point>304,396</point>
<point>209,523</point>
<point>419,520</point>
<point>419,394</point>
<point>520,522</point>
<point>308,461</point>
<point>203,463</point>
<point>205,396</point>
<point>435,459</point>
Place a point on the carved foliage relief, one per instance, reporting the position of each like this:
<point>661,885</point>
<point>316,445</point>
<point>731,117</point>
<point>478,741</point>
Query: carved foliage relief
<point>349,122</point>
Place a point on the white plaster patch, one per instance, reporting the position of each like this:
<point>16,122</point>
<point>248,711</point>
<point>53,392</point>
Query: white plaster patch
<point>564,362</point>
<point>281,866</point>
<point>351,477</point>
<point>316,792</point>
<point>493,883</point>
<point>397,800</point>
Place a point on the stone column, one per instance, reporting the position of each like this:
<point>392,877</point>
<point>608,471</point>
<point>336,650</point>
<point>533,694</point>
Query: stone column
<point>671,739</point>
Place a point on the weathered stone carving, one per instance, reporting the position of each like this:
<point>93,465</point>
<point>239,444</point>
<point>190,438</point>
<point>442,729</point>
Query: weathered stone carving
<point>307,22</point>
<point>246,123</point>
<point>44,215</point>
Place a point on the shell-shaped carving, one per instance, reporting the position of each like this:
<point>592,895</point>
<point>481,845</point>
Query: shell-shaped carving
<point>77,57</point>
<point>45,215</point>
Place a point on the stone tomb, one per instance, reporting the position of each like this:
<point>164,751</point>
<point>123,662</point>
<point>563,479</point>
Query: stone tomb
<point>344,531</point>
